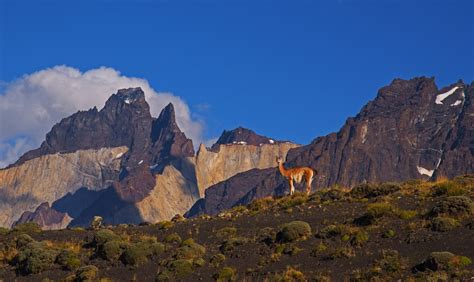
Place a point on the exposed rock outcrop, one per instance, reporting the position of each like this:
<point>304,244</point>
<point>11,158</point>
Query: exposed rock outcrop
<point>50,177</point>
<point>411,130</point>
<point>225,161</point>
<point>46,217</point>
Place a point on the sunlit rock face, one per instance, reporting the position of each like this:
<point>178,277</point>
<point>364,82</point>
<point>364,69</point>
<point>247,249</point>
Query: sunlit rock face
<point>227,160</point>
<point>47,178</point>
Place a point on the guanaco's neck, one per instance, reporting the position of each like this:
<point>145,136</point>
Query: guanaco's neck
<point>282,169</point>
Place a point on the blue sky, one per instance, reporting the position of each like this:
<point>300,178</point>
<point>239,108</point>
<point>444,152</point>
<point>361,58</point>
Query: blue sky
<point>287,69</point>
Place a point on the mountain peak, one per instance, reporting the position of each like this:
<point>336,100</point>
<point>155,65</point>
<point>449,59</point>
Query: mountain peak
<point>130,95</point>
<point>242,136</point>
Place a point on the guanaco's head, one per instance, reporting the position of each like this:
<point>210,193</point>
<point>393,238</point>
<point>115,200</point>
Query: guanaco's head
<point>279,160</point>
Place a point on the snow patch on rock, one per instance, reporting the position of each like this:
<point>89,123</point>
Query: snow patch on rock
<point>442,96</point>
<point>424,171</point>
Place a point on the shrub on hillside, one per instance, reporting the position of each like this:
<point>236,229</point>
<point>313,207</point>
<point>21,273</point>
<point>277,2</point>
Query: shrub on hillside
<point>217,259</point>
<point>180,267</point>
<point>35,257</point>
<point>4,231</point>
<point>372,190</point>
<point>266,235</point>
<point>230,244</point>
<point>135,254</point>
<point>226,232</point>
<point>23,240</point>
<point>112,250</point>
<point>261,204</point>
<point>103,236</point>
<point>447,261</point>
<point>443,224</point>
<point>173,238</point>
<point>28,227</point>
<point>226,274</point>
<point>87,273</point>
<point>68,260</point>
<point>458,206</point>
<point>293,231</point>
<point>190,250</point>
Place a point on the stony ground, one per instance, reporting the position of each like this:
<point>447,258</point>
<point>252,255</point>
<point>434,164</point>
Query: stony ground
<point>415,231</point>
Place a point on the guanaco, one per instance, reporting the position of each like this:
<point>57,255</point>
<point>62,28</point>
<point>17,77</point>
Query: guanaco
<point>296,174</point>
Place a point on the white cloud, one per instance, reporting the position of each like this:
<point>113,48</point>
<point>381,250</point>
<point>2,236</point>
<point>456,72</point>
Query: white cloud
<point>31,105</point>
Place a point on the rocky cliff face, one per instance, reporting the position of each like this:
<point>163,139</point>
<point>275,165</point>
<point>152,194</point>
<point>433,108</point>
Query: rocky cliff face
<point>226,160</point>
<point>48,178</point>
<point>110,162</point>
<point>46,217</point>
<point>411,130</point>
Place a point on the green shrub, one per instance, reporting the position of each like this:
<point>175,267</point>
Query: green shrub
<point>4,231</point>
<point>289,249</point>
<point>217,259</point>
<point>226,274</point>
<point>407,214</point>
<point>173,238</point>
<point>359,238</point>
<point>103,236</point>
<point>332,230</point>
<point>266,235</point>
<point>68,260</point>
<point>181,267</point>
<point>199,262</point>
<point>292,274</point>
<point>457,206</point>
<point>378,210</point>
<point>165,225</point>
<point>190,250</point>
<point>293,200</point>
<point>390,262</point>
<point>87,273</point>
<point>230,244</point>
<point>293,231</point>
<point>342,252</point>
<point>389,234</point>
<point>372,191</point>
<point>261,204</point>
<point>28,227</point>
<point>319,249</point>
<point>112,250</point>
<point>23,240</point>
<point>135,254</point>
<point>439,261</point>
<point>449,188</point>
<point>226,232</point>
<point>443,224</point>
<point>35,257</point>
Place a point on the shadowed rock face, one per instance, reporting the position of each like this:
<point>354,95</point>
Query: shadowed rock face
<point>411,130</point>
<point>46,217</point>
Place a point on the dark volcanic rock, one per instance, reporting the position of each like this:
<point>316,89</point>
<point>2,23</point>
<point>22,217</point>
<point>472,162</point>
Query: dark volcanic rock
<point>411,130</point>
<point>45,217</point>
<point>241,135</point>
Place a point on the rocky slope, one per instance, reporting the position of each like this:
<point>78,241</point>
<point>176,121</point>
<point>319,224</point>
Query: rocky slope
<point>50,177</point>
<point>411,130</point>
<point>236,151</point>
